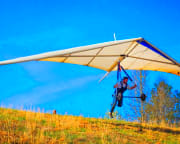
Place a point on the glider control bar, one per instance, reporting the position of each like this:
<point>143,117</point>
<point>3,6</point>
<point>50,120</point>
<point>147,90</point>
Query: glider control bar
<point>142,97</point>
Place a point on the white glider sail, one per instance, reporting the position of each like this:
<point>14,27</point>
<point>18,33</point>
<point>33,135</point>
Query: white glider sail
<point>134,54</point>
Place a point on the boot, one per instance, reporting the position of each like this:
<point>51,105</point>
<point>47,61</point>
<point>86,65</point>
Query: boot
<point>110,115</point>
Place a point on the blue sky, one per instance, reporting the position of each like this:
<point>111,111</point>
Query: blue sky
<point>36,26</point>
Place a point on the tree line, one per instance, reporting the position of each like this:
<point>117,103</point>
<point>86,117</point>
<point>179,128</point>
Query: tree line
<point>163,103</point>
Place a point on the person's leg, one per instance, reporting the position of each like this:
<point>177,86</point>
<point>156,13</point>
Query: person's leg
<point>113,106</point>
<point>120,100</point>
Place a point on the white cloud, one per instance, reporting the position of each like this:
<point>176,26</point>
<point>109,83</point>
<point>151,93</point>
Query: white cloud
<point>45,93</point>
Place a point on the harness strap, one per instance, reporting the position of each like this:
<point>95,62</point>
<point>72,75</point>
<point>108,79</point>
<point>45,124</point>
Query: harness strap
<point>118,76</point>
<point>119,72</point>
<point>126,73</point>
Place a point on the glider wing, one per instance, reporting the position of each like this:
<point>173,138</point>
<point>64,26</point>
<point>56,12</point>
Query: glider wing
<point>134,54</point>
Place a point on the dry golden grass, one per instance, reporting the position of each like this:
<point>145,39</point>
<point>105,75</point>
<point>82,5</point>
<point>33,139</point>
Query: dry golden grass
<point>40,128</point>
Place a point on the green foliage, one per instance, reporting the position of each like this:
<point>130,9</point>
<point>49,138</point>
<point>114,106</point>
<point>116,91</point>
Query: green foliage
<point>53,134</point>
<point>43,122</point>
<point>21,118</point>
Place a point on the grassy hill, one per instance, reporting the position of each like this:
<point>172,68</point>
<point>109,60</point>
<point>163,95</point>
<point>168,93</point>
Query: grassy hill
<point>29,127</point>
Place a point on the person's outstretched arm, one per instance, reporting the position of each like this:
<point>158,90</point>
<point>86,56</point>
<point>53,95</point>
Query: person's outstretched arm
<point>134,86</point>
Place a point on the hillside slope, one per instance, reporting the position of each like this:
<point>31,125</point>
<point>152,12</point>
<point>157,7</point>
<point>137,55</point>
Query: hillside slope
<point>29,127</point>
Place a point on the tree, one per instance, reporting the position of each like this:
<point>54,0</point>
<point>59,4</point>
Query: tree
<point>177,108</point>
<point>163,108</point>
<point>138,107</point>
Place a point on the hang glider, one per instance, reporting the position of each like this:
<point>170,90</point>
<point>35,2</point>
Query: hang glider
<point>134,54</point>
